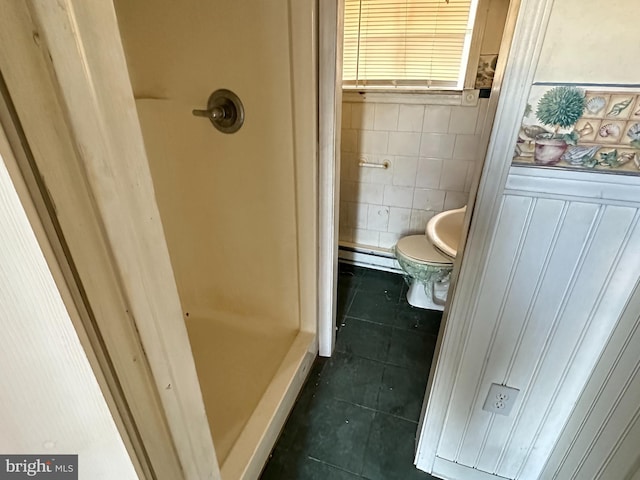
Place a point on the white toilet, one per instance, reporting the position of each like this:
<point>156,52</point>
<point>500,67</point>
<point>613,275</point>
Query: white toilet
<point>427,260</point>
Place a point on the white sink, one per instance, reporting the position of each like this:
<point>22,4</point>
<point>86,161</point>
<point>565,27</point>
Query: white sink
<point>444,231</point>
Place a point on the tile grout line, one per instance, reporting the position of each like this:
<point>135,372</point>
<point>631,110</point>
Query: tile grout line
<point>375,410</point>
<point>388,325</point>
<point>310,457</point>
<point>381,362</point>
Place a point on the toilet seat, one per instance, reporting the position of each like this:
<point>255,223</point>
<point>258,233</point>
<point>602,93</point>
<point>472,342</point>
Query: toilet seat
<point>417,248</point>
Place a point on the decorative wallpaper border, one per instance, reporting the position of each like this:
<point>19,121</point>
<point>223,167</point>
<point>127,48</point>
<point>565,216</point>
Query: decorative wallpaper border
<point>583,127</point>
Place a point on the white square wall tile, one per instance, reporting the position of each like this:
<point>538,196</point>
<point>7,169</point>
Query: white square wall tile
<point>483,107</point>
<point>454,175</point>
<point>437,145</point>
<point>362,115</point>
<point>359,215</point>
<point>455,200</point>
<point>348,140</point>
<point>346,115</point>
<point>426,199</point>
<point>411,118</point>
<point>345,214</point>
<point>399,220</point>
<point>373,174</point>
<point>463,120</point>
<point>348,165</point>
<point>419,219</point>
<point>357,173</point>
<point>345,234</point>
<point>404,171</point>
<point>378,218</point>
<point>429,172</point>
<point>370,141</point>
<point>388,240</point>
<point>398,196</point>
<point>348,191</point>
<point>466,147</point>
<point>344,217</point>
<point>436,119</point>
<point>366,237</point>
<point>369,193</point>
<point>404,143</point>
<point>386,117</point>
<point>471,176</point>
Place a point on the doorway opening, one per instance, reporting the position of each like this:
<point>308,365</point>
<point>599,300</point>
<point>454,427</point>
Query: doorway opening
<point>406,157</point>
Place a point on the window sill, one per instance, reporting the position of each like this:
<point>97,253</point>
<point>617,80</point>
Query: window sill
<point>465,98</point>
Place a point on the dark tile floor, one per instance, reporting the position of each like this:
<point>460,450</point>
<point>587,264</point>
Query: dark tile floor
<point>357,415</point>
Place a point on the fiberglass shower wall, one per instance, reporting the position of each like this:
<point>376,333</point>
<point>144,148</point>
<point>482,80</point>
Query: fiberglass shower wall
<point>229,202</point>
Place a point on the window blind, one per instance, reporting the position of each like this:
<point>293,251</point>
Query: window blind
<point>406,43</point>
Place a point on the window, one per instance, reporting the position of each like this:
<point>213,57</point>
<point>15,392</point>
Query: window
<point>410,44</point>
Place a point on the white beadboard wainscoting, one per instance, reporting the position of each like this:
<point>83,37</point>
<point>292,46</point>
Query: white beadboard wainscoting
<point>563,264</point>
<point>601,438</point>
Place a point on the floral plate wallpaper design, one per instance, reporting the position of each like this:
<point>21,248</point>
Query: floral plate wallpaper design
<point>584,128</point>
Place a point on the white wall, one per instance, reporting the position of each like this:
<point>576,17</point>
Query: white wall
<point>51,402</point>
<point>432,151</point>
<point>572,53</point>
<point>552,308</point>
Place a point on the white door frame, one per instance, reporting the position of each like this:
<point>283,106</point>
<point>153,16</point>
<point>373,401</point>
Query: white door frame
<point>37,205</point>
<point>527,23</point>
<point>330,20</point>
<point>51,355</point>
<point>66,74</point>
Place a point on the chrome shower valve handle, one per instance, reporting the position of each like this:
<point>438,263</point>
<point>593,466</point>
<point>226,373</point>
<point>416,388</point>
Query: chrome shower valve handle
<point>224,110</point>
<point>212,113</point>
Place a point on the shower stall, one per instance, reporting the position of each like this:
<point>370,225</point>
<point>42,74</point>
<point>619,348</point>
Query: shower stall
<point>238,209</point>
<point>191,251</point>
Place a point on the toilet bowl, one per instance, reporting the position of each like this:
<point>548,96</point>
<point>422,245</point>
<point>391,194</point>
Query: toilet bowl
<point>427,260</point>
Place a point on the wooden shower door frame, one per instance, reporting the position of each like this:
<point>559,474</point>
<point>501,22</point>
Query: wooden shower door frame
<point>70,115</point>
<point>84,161</point>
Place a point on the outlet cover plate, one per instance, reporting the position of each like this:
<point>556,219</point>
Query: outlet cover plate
<point>500,399</point>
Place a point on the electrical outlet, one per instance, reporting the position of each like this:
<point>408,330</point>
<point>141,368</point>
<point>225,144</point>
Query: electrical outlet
<point>500,399</point>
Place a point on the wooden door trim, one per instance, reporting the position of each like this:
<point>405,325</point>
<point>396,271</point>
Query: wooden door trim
<point>66,75</point>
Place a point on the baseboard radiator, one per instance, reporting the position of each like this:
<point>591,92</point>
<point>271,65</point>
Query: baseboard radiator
<point>369,257</point>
